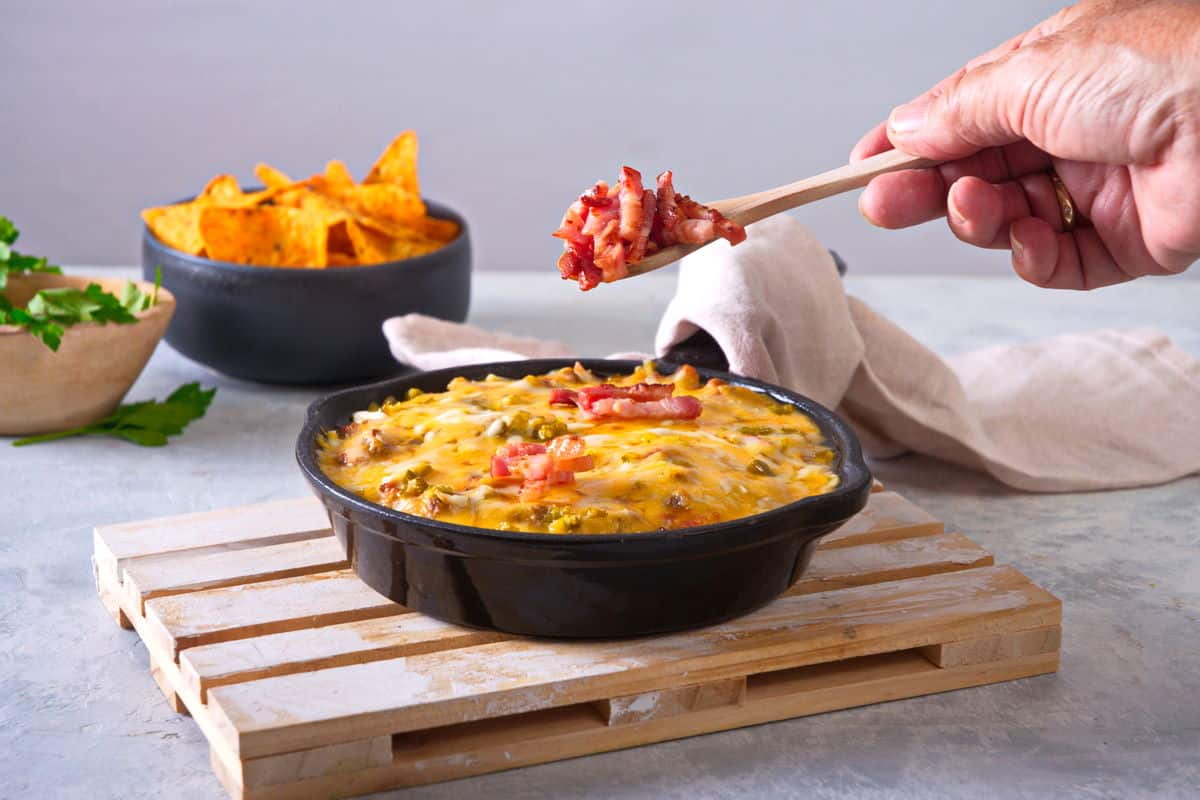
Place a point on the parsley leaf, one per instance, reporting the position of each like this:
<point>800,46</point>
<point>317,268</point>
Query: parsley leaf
<point>8,231</point>
<point>11,261</point>
<point>49,332</point>
<point>148,423</point>
<point>134,299</point>
<point>69,305</point>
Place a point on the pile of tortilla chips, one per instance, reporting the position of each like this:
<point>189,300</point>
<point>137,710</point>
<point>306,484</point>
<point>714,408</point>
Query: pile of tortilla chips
<point>327,220</point>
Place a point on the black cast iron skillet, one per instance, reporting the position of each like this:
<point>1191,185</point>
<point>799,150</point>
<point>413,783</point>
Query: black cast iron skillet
<point>577,585</point>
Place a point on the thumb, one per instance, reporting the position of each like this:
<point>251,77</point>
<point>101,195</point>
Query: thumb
<point>977,107</point>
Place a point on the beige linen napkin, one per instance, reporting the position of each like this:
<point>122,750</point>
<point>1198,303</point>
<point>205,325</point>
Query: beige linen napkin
<point>1101,410</point>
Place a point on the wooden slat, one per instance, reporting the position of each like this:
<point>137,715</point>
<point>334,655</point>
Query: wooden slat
<point>164,685</point>
<point>330,760</point>
<point>374,640</point>
<point>672,702</point>
<point>255,609</point>
<point>886,517</point>
<point>305,710</point>
<point>276,520</point>
<point>995,648</point>
<point>890,561</point>
<point>491,745</point>
<point>109,597</point>
<point>321,648</point>
<point>159,576</point>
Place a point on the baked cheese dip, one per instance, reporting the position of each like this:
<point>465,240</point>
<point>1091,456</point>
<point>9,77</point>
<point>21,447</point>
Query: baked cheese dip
<point>568,452</point>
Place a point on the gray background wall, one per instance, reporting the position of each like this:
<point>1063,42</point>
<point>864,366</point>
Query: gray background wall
<point>109,107</point>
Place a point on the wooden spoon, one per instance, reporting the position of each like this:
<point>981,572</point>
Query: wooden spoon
<point>760,205</point>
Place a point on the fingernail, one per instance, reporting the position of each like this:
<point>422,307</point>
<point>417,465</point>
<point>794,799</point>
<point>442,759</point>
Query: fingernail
<point>956,216</point>
<point>1018,249</point>
<point>909,118</point>
<point>862,210</point>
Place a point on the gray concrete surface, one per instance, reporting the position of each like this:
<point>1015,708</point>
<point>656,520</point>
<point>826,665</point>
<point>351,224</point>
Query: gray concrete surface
<point>80,716</point>
<point>520,105</point>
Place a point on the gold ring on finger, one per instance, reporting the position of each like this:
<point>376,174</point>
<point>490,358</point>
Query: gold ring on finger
<point>1070,215</point>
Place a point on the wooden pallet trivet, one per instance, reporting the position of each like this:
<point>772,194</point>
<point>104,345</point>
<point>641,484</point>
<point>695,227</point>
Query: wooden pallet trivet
<point>307,683</point>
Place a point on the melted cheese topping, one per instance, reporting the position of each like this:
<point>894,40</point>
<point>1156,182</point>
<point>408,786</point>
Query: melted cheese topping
<point>430,455</point>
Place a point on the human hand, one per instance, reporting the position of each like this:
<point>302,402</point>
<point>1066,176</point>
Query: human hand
<point>1106,94</point>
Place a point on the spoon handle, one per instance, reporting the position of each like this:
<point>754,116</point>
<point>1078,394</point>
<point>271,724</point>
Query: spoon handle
<point>760,205</point>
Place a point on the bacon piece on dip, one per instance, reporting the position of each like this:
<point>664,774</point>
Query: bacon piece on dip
<point>640,401</point>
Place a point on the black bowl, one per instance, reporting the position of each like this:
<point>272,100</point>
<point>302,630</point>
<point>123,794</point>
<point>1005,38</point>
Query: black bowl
<point>306,326</point>
<point>577,585</point>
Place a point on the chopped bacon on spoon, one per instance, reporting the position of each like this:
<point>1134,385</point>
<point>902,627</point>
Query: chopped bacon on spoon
<point>610,227</point>
<point>640,401</point>
<point>537,467</point>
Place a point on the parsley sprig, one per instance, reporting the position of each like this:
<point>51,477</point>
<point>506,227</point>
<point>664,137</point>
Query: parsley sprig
<point>148,423</point>
<point>51,310</point>
<point>12,262</point>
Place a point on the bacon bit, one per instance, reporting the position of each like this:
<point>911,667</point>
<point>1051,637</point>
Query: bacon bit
<point>609,228</point>
<point>500,467</point>
<point>563,397</point>
<point>640,401</point>
<point>639,391</point>
<point>374,443</point>
<point>632,209</point>
<point>684,407</point>
<point>598,197</point>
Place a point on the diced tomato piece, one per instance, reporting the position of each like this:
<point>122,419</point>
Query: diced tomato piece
<point>538,467</point>
<point>575,463</point>
<point>566,446</point>
<point>518,449</point>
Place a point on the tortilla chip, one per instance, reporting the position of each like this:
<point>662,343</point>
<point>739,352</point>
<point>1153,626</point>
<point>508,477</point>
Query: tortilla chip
<point>342,260</point>
<point>224,191</point>
<point>269,236</point>
<point>440,230</point>
<point>384,204</point>
<point>337,174</point>
<point>338,241</point>
<point>398,164</point>
<point>271,177</point>
<point>374,247</point>
<point>221,189</point>
<point>177,226</point>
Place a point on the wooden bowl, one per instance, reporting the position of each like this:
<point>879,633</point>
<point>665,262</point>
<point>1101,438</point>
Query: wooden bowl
<point>42,390</point>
